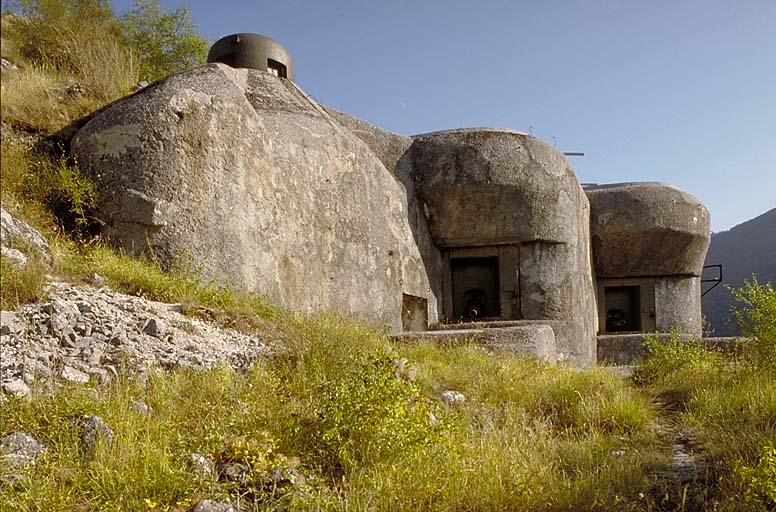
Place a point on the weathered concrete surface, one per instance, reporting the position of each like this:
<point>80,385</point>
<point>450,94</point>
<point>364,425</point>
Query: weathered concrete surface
<point>626,349</point>
<point>389,147</point>
<point>487,187</point>
<point>678,304</point>
<point>647,229</point>
<point>494,325</point>
<point>525,340</point>
<point>240,172</point>
<point>392,150</point>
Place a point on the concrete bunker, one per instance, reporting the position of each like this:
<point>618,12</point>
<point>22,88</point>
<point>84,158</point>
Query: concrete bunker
<point>486,233</point>
<point>511,222</point>
<point>253,51</point>
<point>649,243</point>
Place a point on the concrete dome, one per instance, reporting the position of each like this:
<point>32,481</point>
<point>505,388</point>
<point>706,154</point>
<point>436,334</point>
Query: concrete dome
<point>647,229</point>
<point>486,187</point>
<point>253,51</point>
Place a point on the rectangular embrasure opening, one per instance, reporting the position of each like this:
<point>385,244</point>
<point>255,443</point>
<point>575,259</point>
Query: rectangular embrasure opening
<point>475,289</point>
<point>414,313</point>
<point>277,68</point>
<point>623,308</point>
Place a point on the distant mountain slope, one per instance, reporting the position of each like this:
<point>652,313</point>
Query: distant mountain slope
<point>749,248</point>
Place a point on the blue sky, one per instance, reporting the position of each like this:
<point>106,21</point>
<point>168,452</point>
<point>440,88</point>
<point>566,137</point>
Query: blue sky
<point>680,91</point>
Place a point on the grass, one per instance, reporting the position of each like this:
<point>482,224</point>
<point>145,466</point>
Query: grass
<point>332,404</point>
<point>20,285</point>
<point>42,99</point>
<point>55,46</point>
<point>493,452</point>
<point>726,406</point>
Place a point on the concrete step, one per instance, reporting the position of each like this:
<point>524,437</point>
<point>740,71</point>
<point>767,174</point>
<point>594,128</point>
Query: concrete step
<point>533,340</point>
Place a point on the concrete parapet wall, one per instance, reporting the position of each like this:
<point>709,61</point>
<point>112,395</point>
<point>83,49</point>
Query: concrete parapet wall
<point>626,349</point>
<point>525,340</point>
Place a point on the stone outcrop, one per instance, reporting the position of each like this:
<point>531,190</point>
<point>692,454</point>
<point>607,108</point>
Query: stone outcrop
<point>240,172</point>
<point>14,232</point>
<point>18,450</point>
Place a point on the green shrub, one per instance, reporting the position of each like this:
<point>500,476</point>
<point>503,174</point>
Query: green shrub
<point>164,42</point>
<point>757,318</point>
<point>16,175</point>
<point>760,480</point>
<point>665,357</point>
<point>68,193</point>
<point>55,183</point>
<point>74,56</point>
<point>370,413</point>
<point>78,38</point>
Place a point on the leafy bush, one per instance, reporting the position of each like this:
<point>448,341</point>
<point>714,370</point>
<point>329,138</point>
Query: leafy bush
<point>78,56</point>
<point>370,413</point>
<point>55,183</point>
<point>757,318</point>
<point>68,193</point>
<point>665,357</point>
<point>164,42</point>
<point>760,480</point>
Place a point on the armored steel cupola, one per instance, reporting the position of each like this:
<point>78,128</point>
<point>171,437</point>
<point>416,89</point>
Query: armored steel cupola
<point>253,51</point>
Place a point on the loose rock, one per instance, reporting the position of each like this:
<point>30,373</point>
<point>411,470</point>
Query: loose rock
<point>72,375</point>
<point>17,451</point>
<point>155,327</point>
<point>202,466</point>
<point>15,256</point>
<point>212,506</point>
<point>141,407</point>
<point>7,65</point>
<point>452,397</point>
<point>16,388</point>
<point>95,431</point>
<point>85,331</point>
<point>9,323</point>
<point>12,229</point>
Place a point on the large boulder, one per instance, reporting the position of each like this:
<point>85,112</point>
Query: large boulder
<point>241,173</point>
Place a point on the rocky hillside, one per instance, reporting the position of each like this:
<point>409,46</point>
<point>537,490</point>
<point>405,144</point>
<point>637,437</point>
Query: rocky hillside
<point>749,248</point>
<point>89,333</point>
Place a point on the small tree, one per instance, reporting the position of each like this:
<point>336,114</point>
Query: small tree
<point>164,42</point>
<point>757,318</point>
